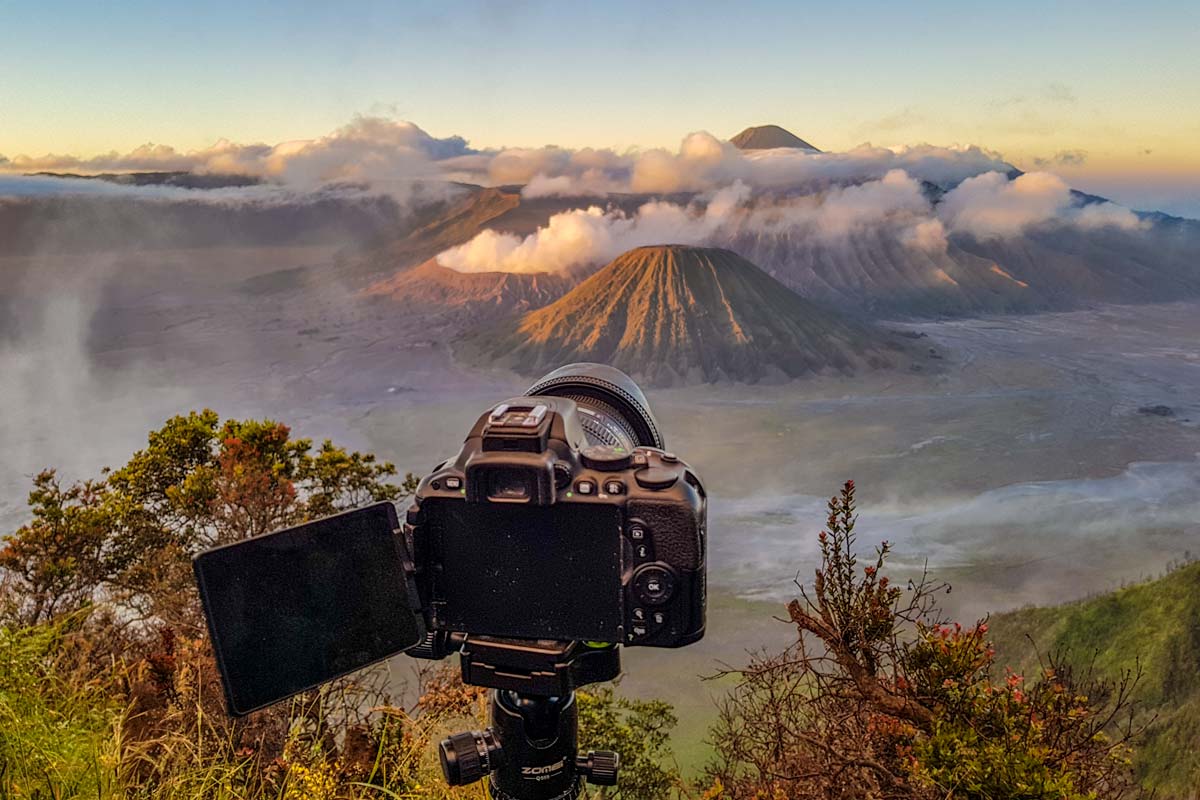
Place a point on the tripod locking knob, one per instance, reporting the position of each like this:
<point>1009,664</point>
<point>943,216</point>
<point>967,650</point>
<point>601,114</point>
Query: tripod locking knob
<point>467,757</point>
<point>599,767</point>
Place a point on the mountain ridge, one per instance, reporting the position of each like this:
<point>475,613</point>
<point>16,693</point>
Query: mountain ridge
<point>678,314</point>
<point>432,286</point>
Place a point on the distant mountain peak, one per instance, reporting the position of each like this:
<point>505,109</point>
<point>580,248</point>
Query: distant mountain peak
<point>768,137</point>
<point>674,314</point>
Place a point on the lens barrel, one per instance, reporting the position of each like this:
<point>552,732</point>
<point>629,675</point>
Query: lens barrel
<point>620,414</point>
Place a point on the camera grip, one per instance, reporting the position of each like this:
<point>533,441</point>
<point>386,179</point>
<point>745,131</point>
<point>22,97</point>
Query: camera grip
<point>675,529</point>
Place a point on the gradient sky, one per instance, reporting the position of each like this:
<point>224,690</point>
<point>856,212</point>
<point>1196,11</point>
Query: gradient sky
<point>1106,94</point>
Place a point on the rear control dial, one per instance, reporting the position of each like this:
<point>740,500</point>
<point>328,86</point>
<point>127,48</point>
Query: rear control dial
<point>605,459</point>
<point>656,478</point>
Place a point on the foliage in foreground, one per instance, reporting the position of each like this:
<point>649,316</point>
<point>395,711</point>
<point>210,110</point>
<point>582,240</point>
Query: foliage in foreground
<point>880,699</point>
<point>108,686</point>
<point>1154,625</point>
<point>156,729</point>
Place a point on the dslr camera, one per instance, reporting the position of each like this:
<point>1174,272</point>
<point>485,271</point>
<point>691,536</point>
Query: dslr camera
<point>562,519</point>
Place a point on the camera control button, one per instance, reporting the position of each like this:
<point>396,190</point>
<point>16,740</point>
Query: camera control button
<point>658,617</point>
<point>669,458</point>
<point>453,482</point>
<point>656,478</point>
<point>614,487</point>
<point>605,459</point>
<point>642,552</point>
<point>639,631</point>
<point>639,615</point>
<point>586,487</point>
<point>653,585</point>
<point>637,532</point>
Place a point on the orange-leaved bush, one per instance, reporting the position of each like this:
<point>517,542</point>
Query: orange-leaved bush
<point>880,698</point>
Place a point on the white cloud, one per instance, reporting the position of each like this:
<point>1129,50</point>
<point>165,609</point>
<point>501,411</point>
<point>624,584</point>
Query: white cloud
<point>367,149</point>
<point>704,163</point>
<point>376,150</point>
<point>831,195</point>
<point>991,206</point>
<point>593,235</point>
<point>1099,215</point>
<point>928,235</point>
<point>841,211</point>
<point>894,205</point>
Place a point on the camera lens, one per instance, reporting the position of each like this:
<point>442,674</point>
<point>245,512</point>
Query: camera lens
<point>615,411</point>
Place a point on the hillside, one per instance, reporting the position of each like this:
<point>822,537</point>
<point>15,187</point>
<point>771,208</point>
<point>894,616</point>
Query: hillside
<point>767,137</point>
<point>88,224</point>
<point>1060,268</point>
<point>1156,624</point>
<point>433,287</point>
<point>476,209</point>
<point>673,314</point>
<point>874,272</point>
<point>450,224</point>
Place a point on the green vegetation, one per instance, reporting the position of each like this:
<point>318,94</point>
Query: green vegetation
<point>881,699</point>
<point>108,687</point>
<point>57,729</point>
<point>1151,628</point>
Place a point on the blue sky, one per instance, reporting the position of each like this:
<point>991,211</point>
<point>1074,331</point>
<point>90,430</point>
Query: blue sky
<point>1108,93</point>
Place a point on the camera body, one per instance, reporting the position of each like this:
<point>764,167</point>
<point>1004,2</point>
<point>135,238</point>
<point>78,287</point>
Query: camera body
<point>545,527</point>
<point>562,528</point>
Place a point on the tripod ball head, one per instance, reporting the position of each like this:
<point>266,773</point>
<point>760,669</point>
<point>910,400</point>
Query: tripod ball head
<point>529,753</point>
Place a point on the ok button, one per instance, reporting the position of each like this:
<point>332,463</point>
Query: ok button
<point>653,585</point>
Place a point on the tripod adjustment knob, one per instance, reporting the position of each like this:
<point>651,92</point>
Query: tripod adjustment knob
<point>600,767</point>
<point>467,757</point>
<point>432,647</point>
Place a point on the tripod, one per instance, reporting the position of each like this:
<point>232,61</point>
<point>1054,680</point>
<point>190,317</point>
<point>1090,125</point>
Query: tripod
<point>530,752</point>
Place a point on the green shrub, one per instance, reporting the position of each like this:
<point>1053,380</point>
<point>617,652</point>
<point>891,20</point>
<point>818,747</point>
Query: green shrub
<point>56,721</point>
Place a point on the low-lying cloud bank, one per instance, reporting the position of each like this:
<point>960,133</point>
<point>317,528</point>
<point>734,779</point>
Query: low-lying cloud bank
<point>1005,545</point>
<point>374,150</point>
<point>705,163</point>
<point>990,205</point>
<point>986,206</point>
<point>920,194</point>
<point>367,149</point>
<point>583,236</point>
